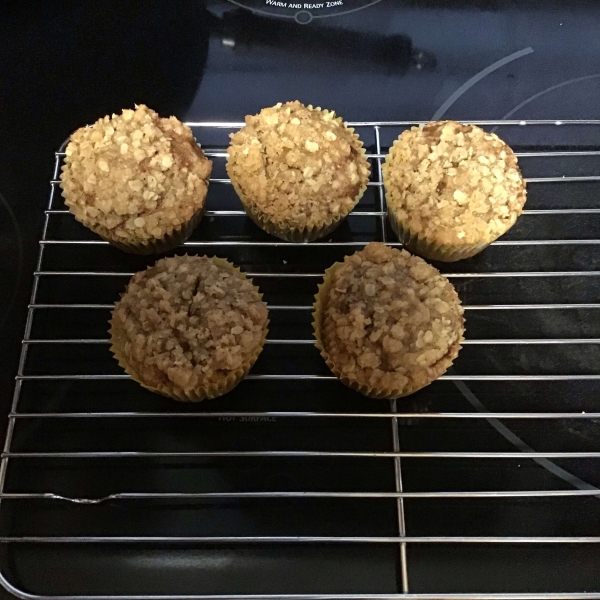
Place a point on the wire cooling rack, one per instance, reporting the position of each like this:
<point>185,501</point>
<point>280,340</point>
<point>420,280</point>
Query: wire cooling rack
<point>483,485</point>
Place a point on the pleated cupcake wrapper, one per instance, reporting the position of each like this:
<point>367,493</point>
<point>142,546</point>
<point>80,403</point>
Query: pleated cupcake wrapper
<point>299,234</point>
<point>170,240</point>
<point>290,234</point>
<point>324,334</point>
<point>212,390</point>
<point>418,243</point>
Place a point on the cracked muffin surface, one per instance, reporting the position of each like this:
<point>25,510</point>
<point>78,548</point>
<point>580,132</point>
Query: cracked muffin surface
<point>134,177</point>
<point>301,167</point>
<point>389,320</point>
<point>187,322</point>
<point>454,184</point>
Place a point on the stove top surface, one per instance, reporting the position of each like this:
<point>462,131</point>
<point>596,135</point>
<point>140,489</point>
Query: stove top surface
<point>370,61</point>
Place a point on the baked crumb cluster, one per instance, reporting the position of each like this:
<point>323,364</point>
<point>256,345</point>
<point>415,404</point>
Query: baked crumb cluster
<point>454,183</point>
<point>135,176</point>
<point>391,320</point>
<point>189,322</point>
<point>300,166</point>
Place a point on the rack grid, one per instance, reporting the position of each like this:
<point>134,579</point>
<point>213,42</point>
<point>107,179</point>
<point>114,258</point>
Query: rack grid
<point>70,294</point>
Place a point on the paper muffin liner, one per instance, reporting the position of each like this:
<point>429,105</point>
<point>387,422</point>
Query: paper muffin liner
<point>211,390</point>
<point>324,334</point>
<point>170,240</point>
<point>291,234</point>
<point>420,245</point>
<point>303,233</point>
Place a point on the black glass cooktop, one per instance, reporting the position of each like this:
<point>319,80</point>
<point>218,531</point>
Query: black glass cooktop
<point>216,61</point>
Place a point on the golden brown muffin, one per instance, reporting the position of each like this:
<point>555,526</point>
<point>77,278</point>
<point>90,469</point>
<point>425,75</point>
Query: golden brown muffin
<point>452,189</point>
<point>137,180</point>
<point>386,322</point>
<point>190,327</point>
<point>299,171</point>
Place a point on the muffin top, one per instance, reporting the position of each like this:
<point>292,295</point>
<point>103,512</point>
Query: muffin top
<point>391,321</point>
<point>300,166</point>
<point>135,176</point>
<point>188,322</point>
<point>454,183</point>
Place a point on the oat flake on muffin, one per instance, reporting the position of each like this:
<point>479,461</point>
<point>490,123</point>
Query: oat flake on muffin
<point>188,323</point>
<point>454,184</point>
<point>300,167</point>
<point>389,323</point>
<point>135,177</point>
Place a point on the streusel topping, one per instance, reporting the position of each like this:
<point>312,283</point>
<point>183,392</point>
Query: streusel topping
<point>189,322</point>
<point>454,183</point>
<point>391,320</point>
<point>135,176</point>
<point>300,166</point>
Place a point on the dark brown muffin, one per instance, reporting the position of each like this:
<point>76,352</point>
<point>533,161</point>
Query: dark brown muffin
<point>386,322</point>
<point>190,327</point>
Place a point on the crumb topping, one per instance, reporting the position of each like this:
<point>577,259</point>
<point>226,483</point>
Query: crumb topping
<point>135,176</point>
<point>391,320</point>
<point>301,166</point>
<point>454,183</point>
<point>188,322</point>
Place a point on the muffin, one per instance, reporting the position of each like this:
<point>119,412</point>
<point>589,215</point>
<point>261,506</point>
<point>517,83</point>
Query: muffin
<point>189,327</point>
<point>386,322</point>
<point>298,170</point>
<point>137,180</point>
<point>451,189</point>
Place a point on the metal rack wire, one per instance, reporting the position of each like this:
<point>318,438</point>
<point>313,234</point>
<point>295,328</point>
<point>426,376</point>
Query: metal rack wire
<point>58,269</point>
